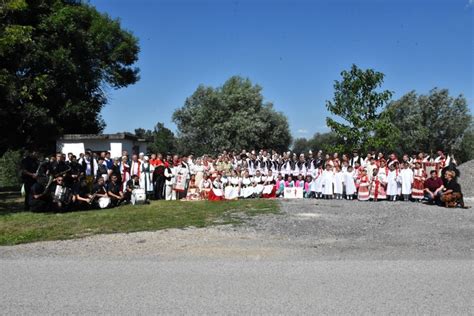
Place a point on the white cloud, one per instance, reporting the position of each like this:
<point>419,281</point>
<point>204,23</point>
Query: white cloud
<point>302,131</point>
<point>470,3</point>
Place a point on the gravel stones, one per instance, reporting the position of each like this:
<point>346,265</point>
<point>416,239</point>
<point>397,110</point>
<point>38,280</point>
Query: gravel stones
<point>466,178</point>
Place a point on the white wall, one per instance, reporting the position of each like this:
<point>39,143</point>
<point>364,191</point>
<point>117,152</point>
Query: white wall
<point>115,146</point>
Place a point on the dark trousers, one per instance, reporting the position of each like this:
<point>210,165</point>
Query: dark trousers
<point>28,186</point>
<point>160,188</point>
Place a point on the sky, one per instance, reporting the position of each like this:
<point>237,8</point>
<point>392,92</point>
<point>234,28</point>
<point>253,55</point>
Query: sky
<point>294,49</point>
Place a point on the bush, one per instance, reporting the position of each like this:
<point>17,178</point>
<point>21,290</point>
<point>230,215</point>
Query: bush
<point>10,170</point>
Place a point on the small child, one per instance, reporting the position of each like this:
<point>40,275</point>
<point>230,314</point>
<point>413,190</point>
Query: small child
<point>349,183</point>
<point>338,183</point>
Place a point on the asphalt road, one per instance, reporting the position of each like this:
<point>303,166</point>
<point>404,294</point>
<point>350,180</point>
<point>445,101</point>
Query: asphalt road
<point>268,266</point>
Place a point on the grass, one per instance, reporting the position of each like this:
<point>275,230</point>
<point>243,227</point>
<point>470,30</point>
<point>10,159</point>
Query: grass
<point>18,227</point>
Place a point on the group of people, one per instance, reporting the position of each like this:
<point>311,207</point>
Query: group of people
<point>65,182</point>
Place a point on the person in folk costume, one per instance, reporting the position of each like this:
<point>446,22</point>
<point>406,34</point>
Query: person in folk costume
<point>312,188</point>
<point>246,190</point>
<point>355,159</point>
<point>279,185</point>
<point>319,181</point>
<point>335,160</point>
<point>159,180</point>
<point>380,158</point>
<point>307,186</point>
<point>169,174</point>
<point>364,183</point>
<point>328,180</point>
<point>345,165</point>
<point>193,193</point>
<point>89,165</point>
<point>301,165</point>
<point>338,182</point>
<point>269,189</point>
<point>258,184</point>
<point>183,171</point>
<point>393,182</point>
<point>124,172</point>
<point>406,177</point>
<point>328,161</point>
<point>419,177</point>
<point>294,167</point>
<point>370,166</point>
<point>378,184</point>
<point>135,166</point>
<point>146,178</point>
<point>231,191</point>
<point>205,187</point>
<point>349,183</point>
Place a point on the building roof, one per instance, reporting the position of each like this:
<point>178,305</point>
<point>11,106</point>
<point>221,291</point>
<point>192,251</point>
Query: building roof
<point>117,136</point>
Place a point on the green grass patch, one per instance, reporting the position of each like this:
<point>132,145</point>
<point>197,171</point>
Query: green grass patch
<point>23,227</point>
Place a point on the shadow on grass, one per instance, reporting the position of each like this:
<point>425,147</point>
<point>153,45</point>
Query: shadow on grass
<point>11,202</point>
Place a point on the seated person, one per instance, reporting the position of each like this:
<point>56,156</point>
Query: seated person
<point>39,198</point>
<point>61,196</point>
<point>452,195</point>
<point>98,191</point>
<point>114,190</point>
<point>82,195</point>
<point>433,187</point>
<point>132,184</point>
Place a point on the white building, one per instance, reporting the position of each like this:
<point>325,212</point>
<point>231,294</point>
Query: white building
<point>114,143</point>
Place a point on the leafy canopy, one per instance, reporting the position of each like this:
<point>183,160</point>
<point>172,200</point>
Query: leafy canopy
<point>57,60</point>
<point>233,116</point>
<point>357,106</point>
<point>436,121</point>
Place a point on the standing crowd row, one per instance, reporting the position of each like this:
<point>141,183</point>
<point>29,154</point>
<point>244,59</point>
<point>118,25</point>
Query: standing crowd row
<point>65,181</point>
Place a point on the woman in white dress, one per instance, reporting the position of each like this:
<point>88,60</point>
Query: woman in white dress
<point>205,187</point>
<point>258,183</point>
<point>231,191</point>
<point>246,190</point>
<point>198,170</point>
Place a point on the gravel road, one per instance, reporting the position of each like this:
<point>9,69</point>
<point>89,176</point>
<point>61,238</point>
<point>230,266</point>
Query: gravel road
<point>329,257</point>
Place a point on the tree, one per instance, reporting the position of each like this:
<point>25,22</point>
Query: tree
<point>57,60</point>
<point>160,140</point>
<point>300,145</point>
<point>327,142</point>
<point>358,104</point>
<point>233,116</point>
<point>430,122</point>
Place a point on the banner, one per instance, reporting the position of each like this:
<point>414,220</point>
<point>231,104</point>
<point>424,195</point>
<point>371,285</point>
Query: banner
<point>293,193</point>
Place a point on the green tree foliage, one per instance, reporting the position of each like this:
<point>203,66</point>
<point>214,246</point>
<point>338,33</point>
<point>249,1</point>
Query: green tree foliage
<point>357,105</point>
<point>328,142</point>
<point>10,169</point>
<point>300,145</point>
<point>160,140</point>
<point>233,116</point>
<point>430,122</point>
<point>57,60</point>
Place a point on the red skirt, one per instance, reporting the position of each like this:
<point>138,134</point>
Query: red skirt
<point>271,195</point>
<point>213,197</point>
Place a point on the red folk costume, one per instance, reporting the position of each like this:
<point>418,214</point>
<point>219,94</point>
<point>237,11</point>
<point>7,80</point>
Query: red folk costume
<point>363,194</point>
<point>419,176</point>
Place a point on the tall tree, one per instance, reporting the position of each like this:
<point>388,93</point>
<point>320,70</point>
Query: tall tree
<point>233,116</point>
<point>160,140</point>
<point>57,60</point>
<point>357,105</point>
<point>429,122</point>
